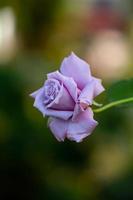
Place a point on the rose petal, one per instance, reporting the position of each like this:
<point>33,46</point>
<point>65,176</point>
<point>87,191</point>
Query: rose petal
<point>78,109</point>
<point>34,94</point>
<point>91,90</point>
<point>98,86</point>
<point>59,114</point>
<point>63,101</point>
<point>75,131</point>
<point>58,128</point>
<point>83,127</point>
<point>87,93</point>
<point>78,69</point>
<point>38,103</point>
<point>49,112</point>
<point>68,82</point>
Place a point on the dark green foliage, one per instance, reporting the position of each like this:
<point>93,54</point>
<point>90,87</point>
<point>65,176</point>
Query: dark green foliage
<point>120,90</point>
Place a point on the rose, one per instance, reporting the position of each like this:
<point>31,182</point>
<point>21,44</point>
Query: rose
<point>66,97</point>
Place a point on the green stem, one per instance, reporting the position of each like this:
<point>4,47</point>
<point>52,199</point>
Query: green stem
<point>97,104</point>
<point>112,104</point>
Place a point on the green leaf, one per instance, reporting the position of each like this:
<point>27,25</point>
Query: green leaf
<point>121,90</point>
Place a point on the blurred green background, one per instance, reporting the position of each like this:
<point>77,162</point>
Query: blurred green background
<point>35,35</point>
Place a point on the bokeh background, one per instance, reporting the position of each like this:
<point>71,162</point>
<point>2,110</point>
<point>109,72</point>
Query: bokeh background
<point>35,35</point>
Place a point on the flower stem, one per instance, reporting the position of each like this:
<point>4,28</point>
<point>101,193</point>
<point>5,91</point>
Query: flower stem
<point>112,104</point>
<point>97,104</point>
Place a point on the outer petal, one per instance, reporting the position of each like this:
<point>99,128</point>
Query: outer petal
<point>49,112</point>
<point>78,69</point>
<point>83,127</point>
<point>98,86</point>
<point>38,103</point>
<point>34,94</point>
<point>78,109</point>
<point>91,90</point>
<point>58,128</point>
<point>75,131</point>
<point>59,114</point>
<point>68,82</point>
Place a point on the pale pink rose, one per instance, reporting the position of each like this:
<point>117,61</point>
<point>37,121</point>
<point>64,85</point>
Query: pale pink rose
<point>66,97</point>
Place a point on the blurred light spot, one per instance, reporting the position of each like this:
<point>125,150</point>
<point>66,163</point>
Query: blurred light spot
<point>109,54</point>
<point>7,34</point>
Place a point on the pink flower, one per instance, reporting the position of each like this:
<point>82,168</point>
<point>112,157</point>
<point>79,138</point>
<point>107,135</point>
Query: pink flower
<point>66,97</point>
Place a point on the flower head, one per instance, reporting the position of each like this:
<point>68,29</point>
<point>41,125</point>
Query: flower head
<point>66,97</point>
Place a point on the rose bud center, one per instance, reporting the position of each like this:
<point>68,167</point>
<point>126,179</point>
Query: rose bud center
<point>56,96</point>
<point>51,90</point>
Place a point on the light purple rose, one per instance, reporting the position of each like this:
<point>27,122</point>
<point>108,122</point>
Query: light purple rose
<point>66,97</point>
